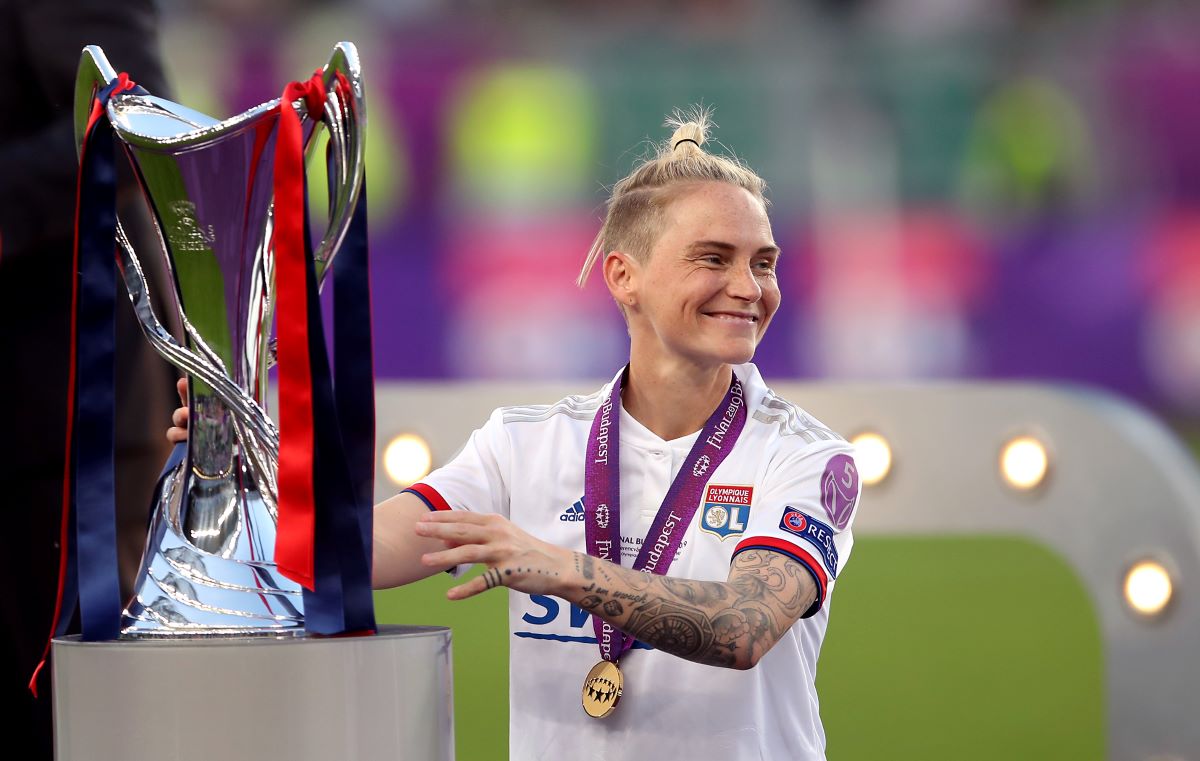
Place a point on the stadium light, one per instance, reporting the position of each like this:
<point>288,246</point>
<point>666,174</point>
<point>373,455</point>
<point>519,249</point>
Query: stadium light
<point>873,456</point>
<point>1148,588</point>
<point>1024,462</point>
<point>407,459</point>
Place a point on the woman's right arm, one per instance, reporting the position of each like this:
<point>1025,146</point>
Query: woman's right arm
<point>398,549</point>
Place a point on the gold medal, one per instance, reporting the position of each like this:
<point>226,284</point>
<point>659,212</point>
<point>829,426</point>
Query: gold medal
<point>602,689</point>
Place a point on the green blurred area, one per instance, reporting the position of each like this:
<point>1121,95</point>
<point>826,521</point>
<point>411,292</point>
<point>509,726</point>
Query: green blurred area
<point>953,648</point>
<point>938,648</point>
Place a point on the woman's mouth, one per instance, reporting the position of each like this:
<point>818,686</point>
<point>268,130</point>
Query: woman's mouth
<point>734,317</point>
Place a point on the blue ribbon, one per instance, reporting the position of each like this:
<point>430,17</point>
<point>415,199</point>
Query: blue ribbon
<point>344,440</point>
<point>92,578</point>
<point>354,375</point>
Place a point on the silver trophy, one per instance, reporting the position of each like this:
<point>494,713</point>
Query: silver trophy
<point>208,569</point>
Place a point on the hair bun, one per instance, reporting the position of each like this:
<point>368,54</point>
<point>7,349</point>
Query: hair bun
<point>691,125</point>
<point>689,132</point>
<point>633,220</point>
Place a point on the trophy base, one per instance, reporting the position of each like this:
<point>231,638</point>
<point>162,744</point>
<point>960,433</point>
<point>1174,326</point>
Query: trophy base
<point>367,698</point>
<point>134,633</point>
<point>205,576</point>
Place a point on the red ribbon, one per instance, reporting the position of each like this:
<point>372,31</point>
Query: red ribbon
<point>297,515</point>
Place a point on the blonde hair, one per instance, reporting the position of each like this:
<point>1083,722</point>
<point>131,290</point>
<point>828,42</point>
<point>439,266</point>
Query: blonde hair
<point>634,215</point>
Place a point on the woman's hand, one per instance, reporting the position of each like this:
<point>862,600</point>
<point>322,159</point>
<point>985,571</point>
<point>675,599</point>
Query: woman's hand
<point>179,419</point>
<point>514,558</point>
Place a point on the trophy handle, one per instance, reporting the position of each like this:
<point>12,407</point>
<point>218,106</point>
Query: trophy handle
<point>93,73</point>
<point>346,119</point>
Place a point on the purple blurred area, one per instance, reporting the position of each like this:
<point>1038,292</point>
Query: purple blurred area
<point>962,188</point>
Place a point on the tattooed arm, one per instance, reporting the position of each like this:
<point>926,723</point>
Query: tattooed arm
<point>730,623</point>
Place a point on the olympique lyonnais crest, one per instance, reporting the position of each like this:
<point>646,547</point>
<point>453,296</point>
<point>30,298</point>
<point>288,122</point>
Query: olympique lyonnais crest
<point>726,510</point>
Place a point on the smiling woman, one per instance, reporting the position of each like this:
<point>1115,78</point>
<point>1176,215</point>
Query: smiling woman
<point>699,303</point>
<point>714,515</point>
<point>710,453</point>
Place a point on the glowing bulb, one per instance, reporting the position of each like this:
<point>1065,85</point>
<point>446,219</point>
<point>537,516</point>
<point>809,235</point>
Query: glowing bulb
<point>1024,462</point>
<point>1148,588</point>
<point>407,459</point>
<point>873,456</point>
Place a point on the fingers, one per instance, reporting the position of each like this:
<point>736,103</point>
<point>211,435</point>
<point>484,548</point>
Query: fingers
<point>470,539</point>
<point>454,532</point>
<point>515,558</point>
<point>461,555</point>
<point>178,432</point>
<point>474,586</point>
<point>179,418</point>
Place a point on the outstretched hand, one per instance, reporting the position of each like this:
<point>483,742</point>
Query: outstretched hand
<point>179,418</point>
<point>514,558</point>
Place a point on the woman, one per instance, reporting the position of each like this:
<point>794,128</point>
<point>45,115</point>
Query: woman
<point>683,504</point>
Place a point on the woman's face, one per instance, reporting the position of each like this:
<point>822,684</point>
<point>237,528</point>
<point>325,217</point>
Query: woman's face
<point>708,290</point>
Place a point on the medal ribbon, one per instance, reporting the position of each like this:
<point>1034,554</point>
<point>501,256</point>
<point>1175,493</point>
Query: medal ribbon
<point>602,494</point>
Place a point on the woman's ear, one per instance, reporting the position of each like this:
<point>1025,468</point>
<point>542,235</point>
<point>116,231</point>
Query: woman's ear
<point>621,275</point>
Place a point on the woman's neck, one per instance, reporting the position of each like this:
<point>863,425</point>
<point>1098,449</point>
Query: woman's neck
<point>673,399</point>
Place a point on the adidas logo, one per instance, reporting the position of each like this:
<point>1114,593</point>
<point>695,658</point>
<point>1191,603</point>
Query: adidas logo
<point>573,513</point>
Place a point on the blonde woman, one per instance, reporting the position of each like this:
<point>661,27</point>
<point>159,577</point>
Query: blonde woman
<point>669,541</point>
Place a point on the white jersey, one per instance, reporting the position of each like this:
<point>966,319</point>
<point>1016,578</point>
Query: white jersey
<point>789,485</point>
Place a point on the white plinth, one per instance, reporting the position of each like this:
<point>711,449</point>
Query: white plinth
<point>263,699</point>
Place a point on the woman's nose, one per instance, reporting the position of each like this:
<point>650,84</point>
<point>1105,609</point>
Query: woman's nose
<point>743,285</point>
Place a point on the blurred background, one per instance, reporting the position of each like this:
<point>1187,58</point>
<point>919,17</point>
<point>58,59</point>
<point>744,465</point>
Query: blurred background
<point>962,188</point>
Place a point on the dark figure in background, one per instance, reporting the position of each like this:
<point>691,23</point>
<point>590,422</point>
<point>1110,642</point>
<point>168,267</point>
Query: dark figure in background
<point>40,44</point>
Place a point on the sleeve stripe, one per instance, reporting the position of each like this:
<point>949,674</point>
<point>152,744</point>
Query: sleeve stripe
<point>429,496</point>
<point>774,544</point>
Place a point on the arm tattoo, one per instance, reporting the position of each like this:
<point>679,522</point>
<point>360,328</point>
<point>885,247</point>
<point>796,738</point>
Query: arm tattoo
<point>586,565</point>
<point>729,624</point>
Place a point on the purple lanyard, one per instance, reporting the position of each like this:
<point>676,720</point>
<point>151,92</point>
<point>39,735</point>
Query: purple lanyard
<point>602,494</point>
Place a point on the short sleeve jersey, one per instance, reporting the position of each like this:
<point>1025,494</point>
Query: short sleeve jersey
<point>789,486</point>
